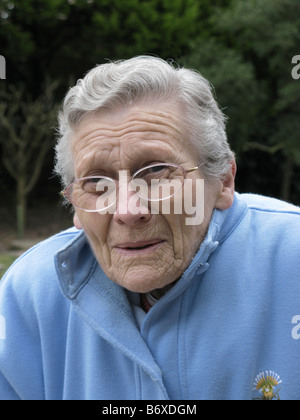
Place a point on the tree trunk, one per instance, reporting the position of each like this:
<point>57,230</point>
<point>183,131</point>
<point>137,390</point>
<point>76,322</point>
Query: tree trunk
<point>287,179</point>
<point>21,208</point>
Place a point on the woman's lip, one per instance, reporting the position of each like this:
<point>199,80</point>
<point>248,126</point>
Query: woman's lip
<point>140,244</point>
<point>139,248</point>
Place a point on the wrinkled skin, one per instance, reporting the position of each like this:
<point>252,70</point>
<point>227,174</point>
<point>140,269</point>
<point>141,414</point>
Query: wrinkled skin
<point>129,139</point>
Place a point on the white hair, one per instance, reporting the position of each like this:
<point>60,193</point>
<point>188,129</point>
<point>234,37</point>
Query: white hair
<point>112,85</point>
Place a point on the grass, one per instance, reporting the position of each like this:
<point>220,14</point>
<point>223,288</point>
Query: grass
<point>44,220</point>
<point>5,262</point>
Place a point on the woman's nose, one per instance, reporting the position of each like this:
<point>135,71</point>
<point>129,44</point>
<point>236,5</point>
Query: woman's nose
<point>131,210</point>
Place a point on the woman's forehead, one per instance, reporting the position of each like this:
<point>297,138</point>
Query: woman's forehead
<point>160,117</point>
<point>135,132</point>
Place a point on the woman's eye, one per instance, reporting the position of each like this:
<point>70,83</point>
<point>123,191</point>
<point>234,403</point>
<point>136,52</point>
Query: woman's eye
<point>156,169</point>
<point>93,184</point>
<point>159,171</point>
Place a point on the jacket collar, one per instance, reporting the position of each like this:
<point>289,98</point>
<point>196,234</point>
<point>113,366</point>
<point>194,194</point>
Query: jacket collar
<point>222,224</point>
<point>103,305</point>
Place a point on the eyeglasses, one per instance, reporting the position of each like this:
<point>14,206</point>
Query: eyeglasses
<point>155,182</point>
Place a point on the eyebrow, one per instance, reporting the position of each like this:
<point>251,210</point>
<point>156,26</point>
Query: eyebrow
<point>104,168</point>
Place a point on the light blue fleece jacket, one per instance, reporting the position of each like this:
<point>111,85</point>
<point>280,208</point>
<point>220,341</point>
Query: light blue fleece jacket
<point>227,327</point>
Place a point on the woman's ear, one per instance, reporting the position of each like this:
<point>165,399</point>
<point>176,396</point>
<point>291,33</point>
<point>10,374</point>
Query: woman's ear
<point>76,222</point>
<point>226,194</point>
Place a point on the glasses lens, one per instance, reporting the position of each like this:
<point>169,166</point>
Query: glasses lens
<point>93,193</point>
<point>159,182</point>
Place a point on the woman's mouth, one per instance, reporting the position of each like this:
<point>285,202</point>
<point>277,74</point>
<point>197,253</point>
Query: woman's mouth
<point>139,248</point>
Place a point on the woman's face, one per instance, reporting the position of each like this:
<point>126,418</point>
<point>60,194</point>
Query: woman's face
<point>141,252</point>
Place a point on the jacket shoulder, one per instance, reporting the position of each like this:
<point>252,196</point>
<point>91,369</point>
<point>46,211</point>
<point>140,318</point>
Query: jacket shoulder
<point>34,272</point>
<point>42,254</point>
<point>269,204</point>
<point>31,306</point>
<point>275,222</point>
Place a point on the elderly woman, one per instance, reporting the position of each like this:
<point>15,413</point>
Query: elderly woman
<point>164,289</point>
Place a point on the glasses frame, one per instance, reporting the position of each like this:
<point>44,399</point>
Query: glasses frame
<point>65,193</point>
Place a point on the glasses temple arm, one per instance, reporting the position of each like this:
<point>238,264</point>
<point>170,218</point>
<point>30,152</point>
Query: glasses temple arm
<point>193,169</point>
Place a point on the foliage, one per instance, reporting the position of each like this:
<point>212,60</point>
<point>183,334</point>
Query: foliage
<point>64,38</point>
<point>248,59</point>
<point>26,139</point>
<point>5,262</point>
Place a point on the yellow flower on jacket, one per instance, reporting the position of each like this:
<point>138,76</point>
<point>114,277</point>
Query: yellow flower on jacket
<point>266,383</point>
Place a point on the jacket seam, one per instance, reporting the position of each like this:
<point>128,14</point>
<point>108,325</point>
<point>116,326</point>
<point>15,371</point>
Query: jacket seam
<point>182,378</point>
<point>97,287</point>
<point>291,212</point>
<point>138,383</point>
<point>110,340</point>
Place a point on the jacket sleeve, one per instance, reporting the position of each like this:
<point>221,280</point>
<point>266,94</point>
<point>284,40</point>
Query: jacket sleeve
<point>20,353</point>
<point>34,318</point>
